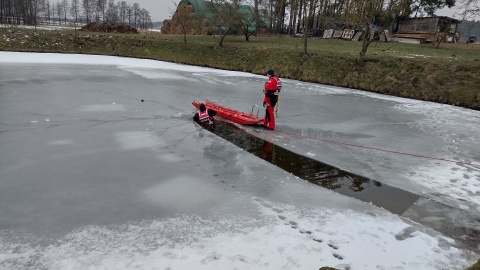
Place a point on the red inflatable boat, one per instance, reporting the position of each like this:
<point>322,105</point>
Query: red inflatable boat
<point>232,115</point>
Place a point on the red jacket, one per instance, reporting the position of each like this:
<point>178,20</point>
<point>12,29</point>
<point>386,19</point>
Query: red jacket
<point>205,117</point>
<point>272,89</point>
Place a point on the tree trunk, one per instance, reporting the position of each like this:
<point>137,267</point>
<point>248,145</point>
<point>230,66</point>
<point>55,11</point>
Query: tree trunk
<point>257,17</point>
<point>290,21</point>
<point>366,40</point>
<point>222,37</point>
<point>246,34</point>
<point>305,28</point>
<point>280,16</point>
<point>439,40</point>
<point>299,17</point>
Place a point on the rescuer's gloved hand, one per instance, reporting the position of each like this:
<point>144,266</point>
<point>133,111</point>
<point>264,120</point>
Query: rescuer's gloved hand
<point>264,104</point>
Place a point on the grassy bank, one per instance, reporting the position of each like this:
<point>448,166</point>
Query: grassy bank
<point>475,266</point>
<point>450,74</point>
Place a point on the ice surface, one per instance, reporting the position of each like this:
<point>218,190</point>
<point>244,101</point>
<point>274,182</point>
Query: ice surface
<point>111,182</point>
<point>103,108</point>
<point>293,239</point>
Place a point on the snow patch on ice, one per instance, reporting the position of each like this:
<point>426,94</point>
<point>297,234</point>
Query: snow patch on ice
<point>153,74</point>
<point>289,238</point>
<point>457,181</point>
<point>121,62</point>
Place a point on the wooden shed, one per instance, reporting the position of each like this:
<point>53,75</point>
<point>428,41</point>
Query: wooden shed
<point>427,29</point>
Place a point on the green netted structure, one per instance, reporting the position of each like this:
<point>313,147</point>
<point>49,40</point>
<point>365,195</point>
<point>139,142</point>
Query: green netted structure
<point>201,8</point>
<point>201,13</point>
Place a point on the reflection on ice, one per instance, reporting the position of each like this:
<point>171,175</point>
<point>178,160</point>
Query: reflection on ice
<point>61,142</point>
<point>138,140</point>
<point>154,74</point>
<point>103,108</point>
<point>170,158</point>
<point>183,191</point>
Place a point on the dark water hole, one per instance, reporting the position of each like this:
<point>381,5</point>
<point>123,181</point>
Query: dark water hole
<point>392,199</point>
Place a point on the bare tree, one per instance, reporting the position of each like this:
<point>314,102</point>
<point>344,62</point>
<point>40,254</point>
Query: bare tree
<point>122,11</point>
<point>45,9</point>
<point>257,16</point>
<point>75,12</point>
<point>53,12</point>
<point>101,7</point>
<point>428,7</point>
<point>58,9</point>
<point>111,15</point>
<point>223,17</point>
<point>299,15</point>
<point>136,10</point>
<point>246,19</point>
<point>88,8</point>
<point>33,12</point>
<point>470,9</point>
<point>185,18</point>
<point>305,28</point>
<point>65,9</point>
<point>129,14</point>
<point>292,17</point>
<point>376,11</point>
<point>277,15</point>
<point>146,21</point>
<point>30,12</point>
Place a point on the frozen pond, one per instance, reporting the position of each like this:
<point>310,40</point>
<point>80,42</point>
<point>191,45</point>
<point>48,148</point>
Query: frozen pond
<point>91,177</point>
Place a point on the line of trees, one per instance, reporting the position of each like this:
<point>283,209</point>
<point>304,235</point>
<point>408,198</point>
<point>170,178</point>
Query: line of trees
<point>293,16</point>
<point>311,16</point>
<point>64,12</point>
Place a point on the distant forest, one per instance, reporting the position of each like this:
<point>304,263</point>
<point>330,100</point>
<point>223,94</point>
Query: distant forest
<point>467,29</point>
<point>68,12</point>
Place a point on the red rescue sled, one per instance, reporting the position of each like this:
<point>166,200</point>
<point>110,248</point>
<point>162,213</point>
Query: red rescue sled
<point>232,115</point>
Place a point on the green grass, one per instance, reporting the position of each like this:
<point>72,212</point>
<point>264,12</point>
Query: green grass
<point>450,74</point>
<point>475,266</point>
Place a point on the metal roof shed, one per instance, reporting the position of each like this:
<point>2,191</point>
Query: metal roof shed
<point>426,29</point>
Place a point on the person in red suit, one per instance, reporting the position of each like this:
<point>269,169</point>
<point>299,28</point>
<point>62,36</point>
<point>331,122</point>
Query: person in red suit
<point>271,91</point>
<point>205,117</point>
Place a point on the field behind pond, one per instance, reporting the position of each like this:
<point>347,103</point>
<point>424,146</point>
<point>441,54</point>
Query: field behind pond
<point>449,74</point>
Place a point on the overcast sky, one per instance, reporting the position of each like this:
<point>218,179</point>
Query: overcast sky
<point>159,9</point>
<point>162,9</point>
